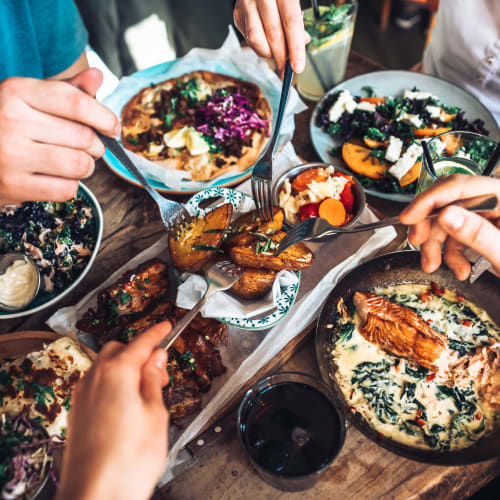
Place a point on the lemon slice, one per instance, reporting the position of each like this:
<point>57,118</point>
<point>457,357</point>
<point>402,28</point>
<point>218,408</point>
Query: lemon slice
<point>195,142</point>
<point>176,138</point>
<point>340,35</point>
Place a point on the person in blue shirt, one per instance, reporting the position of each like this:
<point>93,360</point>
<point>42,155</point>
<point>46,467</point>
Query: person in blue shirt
<point>47,142</point>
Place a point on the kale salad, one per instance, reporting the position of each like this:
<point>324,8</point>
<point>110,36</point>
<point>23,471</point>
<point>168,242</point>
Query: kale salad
<point>60,238</point>
<point>379,137</point>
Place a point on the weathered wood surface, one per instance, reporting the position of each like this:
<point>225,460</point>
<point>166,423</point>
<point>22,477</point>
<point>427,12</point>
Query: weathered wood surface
<point>363,470</point>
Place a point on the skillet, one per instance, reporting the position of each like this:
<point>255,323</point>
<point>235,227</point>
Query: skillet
<point>393,269</point>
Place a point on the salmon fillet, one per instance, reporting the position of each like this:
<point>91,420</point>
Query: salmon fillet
<point>399,331</point>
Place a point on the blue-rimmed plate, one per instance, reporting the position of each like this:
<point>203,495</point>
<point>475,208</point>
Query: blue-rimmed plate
<point>288,293</point>
<point>394,83</point>
<point>44,300</point>
<point>156,74</point>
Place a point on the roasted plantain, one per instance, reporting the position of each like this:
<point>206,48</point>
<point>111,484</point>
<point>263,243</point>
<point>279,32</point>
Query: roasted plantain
<point>194,244</point>
<point>250,223</point>
<point>254,283</point>
<point>261,255</point>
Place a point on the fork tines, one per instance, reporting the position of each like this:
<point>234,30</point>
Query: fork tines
<point>229,267</point>
<point>295,235</point>
<point>263,197</point>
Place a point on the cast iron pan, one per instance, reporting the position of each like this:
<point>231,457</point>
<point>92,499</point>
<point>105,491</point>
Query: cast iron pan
<point>391,269</point>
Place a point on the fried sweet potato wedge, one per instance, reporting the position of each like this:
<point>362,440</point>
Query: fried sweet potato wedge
<point>250,223</point>
<point>190,245</point>
<point>294,258</point>
<point>254,283</point>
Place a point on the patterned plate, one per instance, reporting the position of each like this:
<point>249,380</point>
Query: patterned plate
<point>288,293</point>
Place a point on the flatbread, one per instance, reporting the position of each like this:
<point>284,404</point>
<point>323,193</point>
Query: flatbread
<point>41,383</point>
<point>139,116</point>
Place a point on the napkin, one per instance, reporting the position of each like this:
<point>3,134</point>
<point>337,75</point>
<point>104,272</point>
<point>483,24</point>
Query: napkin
<point>230,59</point>
<point>222,304</point>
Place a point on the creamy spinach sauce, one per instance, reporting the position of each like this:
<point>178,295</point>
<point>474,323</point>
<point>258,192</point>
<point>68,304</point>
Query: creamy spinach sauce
<point>410,404</point>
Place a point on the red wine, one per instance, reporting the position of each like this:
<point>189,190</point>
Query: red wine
<point>291,429</point>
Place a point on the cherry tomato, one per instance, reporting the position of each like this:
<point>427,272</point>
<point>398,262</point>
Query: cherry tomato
<point>347,198</point>
<point>308,211</point>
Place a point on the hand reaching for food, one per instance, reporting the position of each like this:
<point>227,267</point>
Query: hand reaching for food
<point>274,29</point>
<point>455,228</point>
<point>47,142</point>
<point>117,434</point>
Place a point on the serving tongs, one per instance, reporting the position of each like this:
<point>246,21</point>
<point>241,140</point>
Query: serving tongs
<point>318,227</point>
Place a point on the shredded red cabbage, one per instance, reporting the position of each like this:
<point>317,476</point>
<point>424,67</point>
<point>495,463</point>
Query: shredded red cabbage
<point>25,457</point>
<point>226,116</point>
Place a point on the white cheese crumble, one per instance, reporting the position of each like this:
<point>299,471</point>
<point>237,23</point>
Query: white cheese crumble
<point>393,151</point>
<point>404,164</point>
<point>434,111</point>
<point>366,106</point>
<point>410,119</point>
<point>420,96</point>
<point>344,102</point>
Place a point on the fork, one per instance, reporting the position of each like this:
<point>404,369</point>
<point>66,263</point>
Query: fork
<point>317,227</point>
<point>173,214</point>
<point>220,276</point>
<point>262,176</point>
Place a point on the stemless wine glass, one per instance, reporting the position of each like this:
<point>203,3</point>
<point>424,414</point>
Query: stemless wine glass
<point>456,153</point>
<point>328,50</point>
<point>290,429</point>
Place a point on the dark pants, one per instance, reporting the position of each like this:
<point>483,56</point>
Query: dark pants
<point>190,23</point>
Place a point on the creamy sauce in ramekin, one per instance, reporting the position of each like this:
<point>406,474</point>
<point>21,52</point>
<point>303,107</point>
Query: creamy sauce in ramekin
<point>18,284</point>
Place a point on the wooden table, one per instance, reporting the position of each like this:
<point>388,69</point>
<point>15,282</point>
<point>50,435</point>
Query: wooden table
<point>363,470</point>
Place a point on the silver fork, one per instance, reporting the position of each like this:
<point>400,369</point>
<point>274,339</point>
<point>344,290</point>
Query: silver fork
<point>220,276</point>
<point>316,227</point>
<point>262,177</point>
<point>172,213</point>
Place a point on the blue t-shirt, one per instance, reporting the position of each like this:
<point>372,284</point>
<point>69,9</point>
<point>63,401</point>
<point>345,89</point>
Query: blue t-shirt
<point>39,38</point>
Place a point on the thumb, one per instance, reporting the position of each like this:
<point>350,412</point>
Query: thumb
<point>154,376</point>
<point>89,80</point>
<point>472,230</point>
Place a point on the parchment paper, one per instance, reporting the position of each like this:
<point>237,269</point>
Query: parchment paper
<point>230,59</point>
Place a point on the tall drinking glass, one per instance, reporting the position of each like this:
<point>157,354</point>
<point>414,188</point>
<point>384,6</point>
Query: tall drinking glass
<point>328,50</point>
<point>456,153</point>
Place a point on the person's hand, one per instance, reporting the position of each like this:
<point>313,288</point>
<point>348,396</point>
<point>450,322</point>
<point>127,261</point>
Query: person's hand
<point>454,228</point>
<point>46,139</point>
<point>117,428</point>
<point>274,29</point>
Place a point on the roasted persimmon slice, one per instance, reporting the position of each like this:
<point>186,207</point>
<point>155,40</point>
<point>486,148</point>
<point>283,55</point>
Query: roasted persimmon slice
<point>359,160</point>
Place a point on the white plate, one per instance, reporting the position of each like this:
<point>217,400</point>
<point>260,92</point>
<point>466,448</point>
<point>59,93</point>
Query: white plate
<point>394,83</point>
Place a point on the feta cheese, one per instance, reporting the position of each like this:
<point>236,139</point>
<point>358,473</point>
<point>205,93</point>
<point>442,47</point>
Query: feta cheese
<point>366,106</point>
<point>404,164</point>
<point>439,147</point>
<point>434,111</point>
<point>344,102</point>
<point>462,154</point>
<point>393,151</point>
<point>410,119</point>
<point>420,96</point>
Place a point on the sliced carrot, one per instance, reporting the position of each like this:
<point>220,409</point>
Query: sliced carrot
<point>447,117</point>
<point>429,131</point>
<point>411,175</point>
<point>372,143</point>
<point>452,143</point>
<point>373,100</point>
<point>302,180</point>
<point>358,159</point>
<point>333,211</point>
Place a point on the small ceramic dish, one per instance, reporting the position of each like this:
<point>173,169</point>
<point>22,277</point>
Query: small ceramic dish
<point>357,191</point>
<point>6,261</point>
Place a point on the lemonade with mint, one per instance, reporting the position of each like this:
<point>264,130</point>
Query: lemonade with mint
<point>328,50</point>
